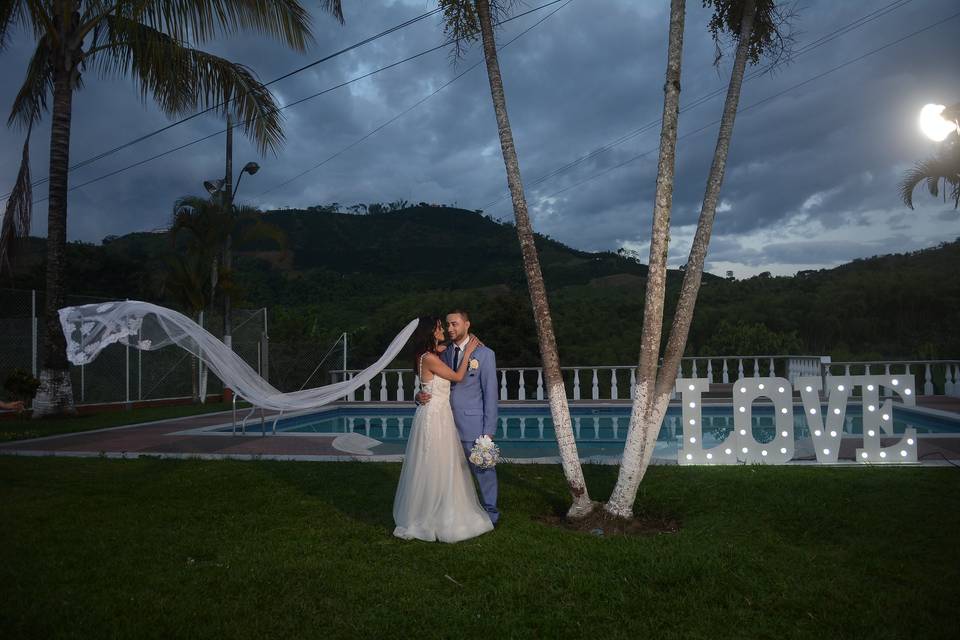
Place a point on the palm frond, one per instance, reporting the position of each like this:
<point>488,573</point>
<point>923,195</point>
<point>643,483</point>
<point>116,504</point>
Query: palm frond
<point>203,20</point>
<point>19,211</point>
<point>182,79</point>
<point>31,101</point>
<point>12,13</point>
<point>944,167</point>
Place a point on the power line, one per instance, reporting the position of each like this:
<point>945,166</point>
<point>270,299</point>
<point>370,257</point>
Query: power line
<point>758,103</point>
<point>292,104</point>
<point>356,45</point>
<point>413,106</point>
<point>859,22</point>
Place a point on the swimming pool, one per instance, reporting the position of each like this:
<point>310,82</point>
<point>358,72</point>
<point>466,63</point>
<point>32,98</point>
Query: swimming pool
<point>527,431</point>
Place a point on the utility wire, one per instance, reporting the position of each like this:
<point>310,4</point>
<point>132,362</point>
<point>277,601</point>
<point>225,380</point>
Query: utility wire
<point>109,152</point>
<point>859,22</point>
<point>411,107</point>
<point>292,104</point>
<point>758,103</point>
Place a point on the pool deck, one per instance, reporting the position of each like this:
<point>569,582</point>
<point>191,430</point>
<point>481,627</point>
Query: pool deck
<point>186,438</point>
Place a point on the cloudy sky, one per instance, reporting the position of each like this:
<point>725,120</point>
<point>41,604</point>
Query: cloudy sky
<point>811,180</point>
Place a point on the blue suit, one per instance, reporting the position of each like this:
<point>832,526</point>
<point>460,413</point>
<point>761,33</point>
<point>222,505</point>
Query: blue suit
<point>474,404</point>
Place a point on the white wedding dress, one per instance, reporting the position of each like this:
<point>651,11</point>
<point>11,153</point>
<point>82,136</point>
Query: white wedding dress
<point>436,498</point>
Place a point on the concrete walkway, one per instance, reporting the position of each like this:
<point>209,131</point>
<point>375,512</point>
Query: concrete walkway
<point>166,438</point>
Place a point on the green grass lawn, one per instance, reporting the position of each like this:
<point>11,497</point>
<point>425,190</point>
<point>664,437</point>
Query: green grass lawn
<point>143,548</point>
<point>24,427</point>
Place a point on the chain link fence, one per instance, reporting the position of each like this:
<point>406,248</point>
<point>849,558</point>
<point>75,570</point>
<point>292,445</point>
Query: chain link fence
<point>121,374</point>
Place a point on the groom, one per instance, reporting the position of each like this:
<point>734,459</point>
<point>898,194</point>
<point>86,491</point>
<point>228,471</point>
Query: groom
<point>474,401</point>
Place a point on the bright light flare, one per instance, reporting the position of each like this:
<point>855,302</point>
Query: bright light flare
<point>934,125</point>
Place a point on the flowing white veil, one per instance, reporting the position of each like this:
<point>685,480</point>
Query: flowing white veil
<point>91,327</point>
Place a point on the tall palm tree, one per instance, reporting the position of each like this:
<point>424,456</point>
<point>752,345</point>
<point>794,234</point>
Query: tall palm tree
<point>756,27</point>
<point>148,40</point>
<point>464,20</point>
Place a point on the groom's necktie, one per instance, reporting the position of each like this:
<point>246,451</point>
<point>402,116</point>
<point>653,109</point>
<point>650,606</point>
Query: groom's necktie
<point>456,358</point>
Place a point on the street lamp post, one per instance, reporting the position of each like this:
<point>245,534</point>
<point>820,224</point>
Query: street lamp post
<point>227,192</point>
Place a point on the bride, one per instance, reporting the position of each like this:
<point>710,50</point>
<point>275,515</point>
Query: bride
<point>436,499</point>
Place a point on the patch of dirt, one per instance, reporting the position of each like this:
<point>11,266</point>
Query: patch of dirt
<point>603,525</point>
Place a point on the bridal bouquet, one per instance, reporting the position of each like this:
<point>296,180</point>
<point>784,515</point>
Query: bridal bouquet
<point>485,454</point>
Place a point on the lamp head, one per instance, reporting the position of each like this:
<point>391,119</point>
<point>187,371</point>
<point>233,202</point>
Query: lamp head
<point>213,186</point>
<point>251,168</point>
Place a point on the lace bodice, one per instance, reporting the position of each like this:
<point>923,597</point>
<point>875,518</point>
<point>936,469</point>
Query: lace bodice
<point>438,387</point>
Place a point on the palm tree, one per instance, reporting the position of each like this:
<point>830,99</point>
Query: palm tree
<point>943,167</point>
<point>196,271</point>
<point>755,25</point>
<point>464,19</point>
<point>146,39</point>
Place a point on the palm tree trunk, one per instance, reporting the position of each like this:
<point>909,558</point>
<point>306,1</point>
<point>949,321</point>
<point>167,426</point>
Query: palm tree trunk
<point>682,319</point>
<point>55,395</point>
<point>649,405</point>
<point>556,392</point>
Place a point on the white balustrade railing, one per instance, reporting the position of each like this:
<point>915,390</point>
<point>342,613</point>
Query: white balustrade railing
<point>610,382</point>
<point>934,377</point>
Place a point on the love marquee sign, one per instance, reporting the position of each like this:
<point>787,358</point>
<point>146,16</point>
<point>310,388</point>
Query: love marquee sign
<point>825,429</point>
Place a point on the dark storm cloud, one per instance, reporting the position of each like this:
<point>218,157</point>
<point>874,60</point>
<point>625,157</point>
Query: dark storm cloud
<point>811,178</point>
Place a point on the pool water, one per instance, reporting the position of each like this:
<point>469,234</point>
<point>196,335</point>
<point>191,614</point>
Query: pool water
<point>527,432</point>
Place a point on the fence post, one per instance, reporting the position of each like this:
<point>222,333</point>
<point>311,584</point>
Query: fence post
<point>33,325</point>
<point>265,349</point>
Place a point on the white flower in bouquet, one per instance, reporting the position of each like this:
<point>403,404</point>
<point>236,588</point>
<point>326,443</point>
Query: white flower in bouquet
<point>485,454</point>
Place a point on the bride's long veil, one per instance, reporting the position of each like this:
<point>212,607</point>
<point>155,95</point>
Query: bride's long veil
<point>89,328</point>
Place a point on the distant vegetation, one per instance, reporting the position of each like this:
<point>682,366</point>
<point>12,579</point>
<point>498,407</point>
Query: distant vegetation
<point>368,274</point>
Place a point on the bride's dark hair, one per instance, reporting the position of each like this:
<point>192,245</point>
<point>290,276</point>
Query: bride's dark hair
<point>424,340</point>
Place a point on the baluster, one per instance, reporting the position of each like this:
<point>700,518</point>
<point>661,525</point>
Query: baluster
<point>694,372</point>
<point>576,384</point>
<point>383,386</point>
<point>928,382</point>
<point>614,392</point>
<point>400,387</point>
<point>772,368</point>
<point>366,426</point>
<point>521,389</point>
<point>846,370</point>
<point>956,379</point>
<point>595,388</point>
<point>540,427</point>
<point>596,428</point>
<point>616,427</point>
<point>633,383</point>
<point>726,374</point>
<point>866,370</point>
<point>947,382</point>
<point>503,384</point>
<point>350,425</point>
<point>539,384</point>
<point>523,428</point>
<point>739,368</point>
<point>576,427</point>
<point>710,371</point>
<point>366,391</point>
<point>416,384</point>
<point>756,367</point>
